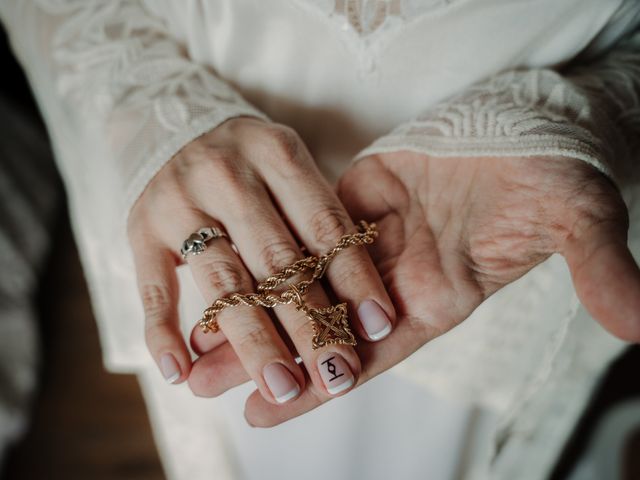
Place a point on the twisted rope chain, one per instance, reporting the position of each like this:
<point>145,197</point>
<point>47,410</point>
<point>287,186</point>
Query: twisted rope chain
<point>266,297</point>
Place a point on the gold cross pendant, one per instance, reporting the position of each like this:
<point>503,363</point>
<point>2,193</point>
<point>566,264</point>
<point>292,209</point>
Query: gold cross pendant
<point>331,326</point>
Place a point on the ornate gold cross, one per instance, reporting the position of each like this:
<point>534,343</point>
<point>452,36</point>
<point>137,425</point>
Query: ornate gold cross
<point>330,326</point>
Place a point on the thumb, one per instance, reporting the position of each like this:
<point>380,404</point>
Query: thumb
<point>606,277</point>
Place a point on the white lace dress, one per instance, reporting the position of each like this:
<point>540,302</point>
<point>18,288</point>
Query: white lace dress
<point>124,84</point>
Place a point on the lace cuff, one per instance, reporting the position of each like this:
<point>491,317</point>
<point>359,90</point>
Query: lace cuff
<point>591,113</point>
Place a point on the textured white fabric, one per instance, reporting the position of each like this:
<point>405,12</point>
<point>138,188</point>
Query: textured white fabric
<point>356,438</point>
<point>124,84</point>
<point>590,113</point>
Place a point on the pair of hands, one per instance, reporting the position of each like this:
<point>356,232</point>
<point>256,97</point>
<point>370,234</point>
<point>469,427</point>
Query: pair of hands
<point>452,232</point>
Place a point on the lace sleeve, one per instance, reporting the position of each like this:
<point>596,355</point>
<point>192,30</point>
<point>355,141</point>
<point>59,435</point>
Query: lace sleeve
<point>110,79</point>
<point>590,112</point>
<point>120,96</point>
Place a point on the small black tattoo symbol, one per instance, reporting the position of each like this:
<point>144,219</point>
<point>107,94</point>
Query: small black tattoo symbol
<point>332,369</point>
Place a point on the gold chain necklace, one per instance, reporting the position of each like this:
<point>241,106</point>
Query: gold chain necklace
<point>330,324</point>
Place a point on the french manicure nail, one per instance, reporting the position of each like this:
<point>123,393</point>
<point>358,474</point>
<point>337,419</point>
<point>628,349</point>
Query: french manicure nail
<point>281,382</point>
<point>335,372</point>
<point>169,368</point>
<point>374,321</point>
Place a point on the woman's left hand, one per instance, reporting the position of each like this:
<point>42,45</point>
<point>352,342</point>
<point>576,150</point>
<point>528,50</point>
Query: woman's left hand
<point>455,230</point>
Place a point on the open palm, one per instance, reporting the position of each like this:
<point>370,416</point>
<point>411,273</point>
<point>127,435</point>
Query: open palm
<point>455,230</point>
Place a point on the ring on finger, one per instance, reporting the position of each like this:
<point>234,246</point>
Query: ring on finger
<point>196,243</point>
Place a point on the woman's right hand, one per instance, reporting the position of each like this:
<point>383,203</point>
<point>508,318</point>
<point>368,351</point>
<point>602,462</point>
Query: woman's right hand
<point>258,182</point>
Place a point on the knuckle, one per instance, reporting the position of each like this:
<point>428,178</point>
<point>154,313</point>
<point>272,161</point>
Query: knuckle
<point>253,336</point>
<point>157,302</point>
<point>224,277</point>
<point>239,126</point>
<point>277,254</point>
<point>219,156</point>
<point>284,142</point>
<point>328,225</point>
<point>222,166</point>
<point>200,150</point>
<point>191,156</point>
<point>228,173</point>
<point>203,162</point>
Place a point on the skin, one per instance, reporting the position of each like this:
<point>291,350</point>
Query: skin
<point>452,232</point>
<point>455,230</point>
<point>257,181</point>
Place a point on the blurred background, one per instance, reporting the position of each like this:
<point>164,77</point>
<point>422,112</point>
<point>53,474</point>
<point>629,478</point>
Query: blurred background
<point>62,416</point>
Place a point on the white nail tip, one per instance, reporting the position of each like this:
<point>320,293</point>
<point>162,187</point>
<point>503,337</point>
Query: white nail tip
<point>340,388</point>
<point>381,334</point>
<point>289,395</point>
<point>173,377</point>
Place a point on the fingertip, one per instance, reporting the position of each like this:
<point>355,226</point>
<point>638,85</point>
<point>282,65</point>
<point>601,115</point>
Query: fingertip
<point>281,382</point>
<point>250,406</point>
<point>202,381</point>
<point>257,411</point>
<point>623,292</point>
<point>175,366</point>
<point>608,284</point>
<point>260,413</point>
<point>169,368</point>
<point>338,371</point>
<point>375,320</point>
<point>216,372</point>
<point>169,350</point>
<point>246,419</point>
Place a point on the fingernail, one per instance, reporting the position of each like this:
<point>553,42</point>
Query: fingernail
<point>169,368</point>
<point>281,382</point>
<point>374,321</point>
<point>335,372</point>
